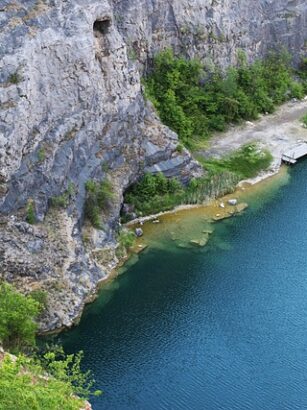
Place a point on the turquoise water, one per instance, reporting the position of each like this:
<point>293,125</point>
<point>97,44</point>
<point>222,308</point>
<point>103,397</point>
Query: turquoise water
<point>223,327</point>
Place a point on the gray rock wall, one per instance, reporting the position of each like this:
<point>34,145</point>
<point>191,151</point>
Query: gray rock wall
<point>71,109</point>
<point>212,30</point>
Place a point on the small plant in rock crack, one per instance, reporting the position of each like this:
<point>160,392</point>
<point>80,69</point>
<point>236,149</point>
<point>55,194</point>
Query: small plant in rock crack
<point>98,197</point>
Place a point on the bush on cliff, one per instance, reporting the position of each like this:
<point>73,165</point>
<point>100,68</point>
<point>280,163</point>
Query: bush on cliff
<point>17,319</point>
<point>98,197</point>
<point>195,100</point>
<point>47,381</point>
<point>155,193</point>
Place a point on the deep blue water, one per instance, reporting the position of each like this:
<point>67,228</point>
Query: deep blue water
<point>224,327</point>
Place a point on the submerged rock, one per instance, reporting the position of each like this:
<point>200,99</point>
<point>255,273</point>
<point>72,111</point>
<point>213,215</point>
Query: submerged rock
<point>219,217</point>
<point>208,230</point>
<point>200,242</point>
<point>139,232</point>
<point>241,207</point>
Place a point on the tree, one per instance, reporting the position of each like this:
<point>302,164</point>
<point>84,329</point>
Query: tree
<point>17,319</point>
<point>53,381</point>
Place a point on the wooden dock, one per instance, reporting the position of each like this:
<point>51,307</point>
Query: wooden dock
<point>299,150</point>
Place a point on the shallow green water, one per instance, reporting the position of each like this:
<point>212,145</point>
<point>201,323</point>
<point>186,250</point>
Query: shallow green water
<point>219,327</point>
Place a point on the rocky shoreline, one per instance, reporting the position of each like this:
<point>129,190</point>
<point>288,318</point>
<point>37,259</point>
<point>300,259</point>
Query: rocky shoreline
<point>70,287</point>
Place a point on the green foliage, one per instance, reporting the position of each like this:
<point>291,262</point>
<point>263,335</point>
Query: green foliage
<point>25,386</point>
<point>40,296</point>
<point>105,167</point>
<point>62,201</point>
<point>126,239</point>
<point>30,213</point>
<point>215,184</point>
<point>304,120</point>
<point>15,78</point>
<point>17,319</point>
<point>180,148</point>
<point>41,154</point>
<point>195,101</point>
<point>155,193</point>
<point>52,382</point>
<point>302,73</point>
<point>247,162</point>
<point>67,368</point>
<point>98,198</point>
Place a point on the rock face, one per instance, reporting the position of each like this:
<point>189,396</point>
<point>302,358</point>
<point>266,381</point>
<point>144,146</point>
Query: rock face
<point>71,109</point>
<point>212,30</point>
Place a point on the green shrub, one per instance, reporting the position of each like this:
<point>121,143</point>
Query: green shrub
<point>155,193</point>
<point>62,201</point>
<point>40,296</point>
<point>15,78</point>
<point>41,154</point>
<point>180,148</point>
<point>126,238</point>
<point>304,120</point>
<point>50,382</point>
<point>17,319</point>
<point>98,198</point>
<point>302,73</point>
<point>30,213</point>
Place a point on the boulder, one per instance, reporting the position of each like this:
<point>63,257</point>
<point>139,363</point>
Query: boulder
<point>232,202</point>
<point>139,232</point>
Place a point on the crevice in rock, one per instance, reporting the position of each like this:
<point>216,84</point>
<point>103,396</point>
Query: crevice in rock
<point>101,29</point>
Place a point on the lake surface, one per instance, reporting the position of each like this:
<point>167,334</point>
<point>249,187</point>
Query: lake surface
<point>219,327</point>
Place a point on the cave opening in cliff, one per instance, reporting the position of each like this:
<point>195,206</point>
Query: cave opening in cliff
<point>101,27</point>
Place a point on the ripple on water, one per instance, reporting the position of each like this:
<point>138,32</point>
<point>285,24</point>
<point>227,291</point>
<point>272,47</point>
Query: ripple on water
<point>219,327</point>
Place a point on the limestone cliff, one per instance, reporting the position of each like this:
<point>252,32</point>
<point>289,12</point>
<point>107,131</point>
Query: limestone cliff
<point>71,109</point>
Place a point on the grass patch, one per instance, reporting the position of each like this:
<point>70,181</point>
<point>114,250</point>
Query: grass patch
<point>63,200</point>
<point>30,213</point>
<point>247,162</point>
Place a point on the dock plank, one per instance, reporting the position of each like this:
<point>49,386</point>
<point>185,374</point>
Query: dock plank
<point>299,150</point>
